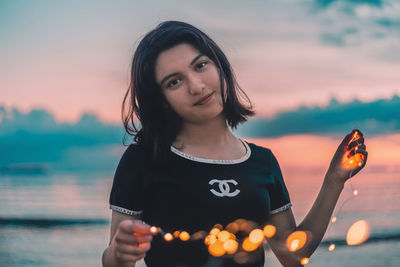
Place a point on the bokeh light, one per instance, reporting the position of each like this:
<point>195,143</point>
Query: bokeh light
<point>358,233</point>
<point>256,236</point>
<point>296,240</point>
<point>305,261</point>
<point>168,237</point>
<point>184,236</point>
<point>231,246</point>
<point>269,231</point>
<point>217,248</point>
<point>249,246</point>
<point>154,229</point>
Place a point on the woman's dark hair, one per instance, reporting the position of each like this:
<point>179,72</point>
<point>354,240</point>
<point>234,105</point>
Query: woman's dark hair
<point>160,124</point>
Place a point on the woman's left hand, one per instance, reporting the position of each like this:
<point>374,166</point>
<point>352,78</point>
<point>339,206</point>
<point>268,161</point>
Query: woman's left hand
<point>349,159</point>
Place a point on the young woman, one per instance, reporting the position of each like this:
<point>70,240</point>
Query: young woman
<point>187,171</point>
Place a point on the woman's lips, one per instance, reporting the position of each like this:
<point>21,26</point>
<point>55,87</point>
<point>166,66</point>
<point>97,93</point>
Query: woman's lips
<point>204,100</point>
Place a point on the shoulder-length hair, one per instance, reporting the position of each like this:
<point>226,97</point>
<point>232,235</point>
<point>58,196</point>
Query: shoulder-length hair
<point>160,125</point>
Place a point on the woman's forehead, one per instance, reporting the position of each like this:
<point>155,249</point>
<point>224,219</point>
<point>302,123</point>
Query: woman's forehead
<point>174,58</point>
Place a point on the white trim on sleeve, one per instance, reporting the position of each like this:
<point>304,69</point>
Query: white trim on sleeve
<point>126,211</point>
<point>285,207</point>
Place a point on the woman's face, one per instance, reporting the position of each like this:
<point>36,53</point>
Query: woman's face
<point>185,77</point>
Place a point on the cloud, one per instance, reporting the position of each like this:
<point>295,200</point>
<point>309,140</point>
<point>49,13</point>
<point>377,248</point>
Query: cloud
<point>376,117</point>
<point>36,137</point>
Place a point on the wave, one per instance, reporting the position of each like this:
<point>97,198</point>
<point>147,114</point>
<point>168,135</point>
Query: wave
<point>51,222</point>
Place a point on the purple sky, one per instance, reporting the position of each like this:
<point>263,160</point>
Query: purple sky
<point>74,56</point>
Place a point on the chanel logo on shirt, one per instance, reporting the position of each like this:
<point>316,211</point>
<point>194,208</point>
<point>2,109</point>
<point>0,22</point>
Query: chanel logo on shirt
<point>224,188</point>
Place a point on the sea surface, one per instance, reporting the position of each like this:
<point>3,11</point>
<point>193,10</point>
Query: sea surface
<point>62,218</point>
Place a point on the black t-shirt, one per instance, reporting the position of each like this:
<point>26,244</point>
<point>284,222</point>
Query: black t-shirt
<point>194,194</point>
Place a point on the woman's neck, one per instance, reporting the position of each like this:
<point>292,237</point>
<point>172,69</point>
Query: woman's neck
<point>210,135</point>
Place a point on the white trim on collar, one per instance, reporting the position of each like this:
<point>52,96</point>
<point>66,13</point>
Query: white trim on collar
<point>215,161</point>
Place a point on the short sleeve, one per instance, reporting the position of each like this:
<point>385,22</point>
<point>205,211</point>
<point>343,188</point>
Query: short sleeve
<point>279,194</point>
<point>127,192</point>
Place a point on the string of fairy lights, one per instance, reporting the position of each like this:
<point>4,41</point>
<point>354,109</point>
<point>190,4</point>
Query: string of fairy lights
<point>241,238</point>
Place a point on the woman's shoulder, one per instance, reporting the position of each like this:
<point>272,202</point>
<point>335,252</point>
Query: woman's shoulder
<point>258,149</point>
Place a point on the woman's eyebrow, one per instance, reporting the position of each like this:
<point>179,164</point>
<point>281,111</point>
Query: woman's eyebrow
<point>175,73</point>
<point>195,59</point>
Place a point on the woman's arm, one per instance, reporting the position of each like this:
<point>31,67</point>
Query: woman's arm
<point>316,221</point>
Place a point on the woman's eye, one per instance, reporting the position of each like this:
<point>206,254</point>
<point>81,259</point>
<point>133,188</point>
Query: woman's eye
<point>173,83</point>
<point>201,65</point>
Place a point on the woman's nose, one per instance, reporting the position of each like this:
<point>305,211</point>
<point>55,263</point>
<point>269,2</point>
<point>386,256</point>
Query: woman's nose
<point>196,85</point>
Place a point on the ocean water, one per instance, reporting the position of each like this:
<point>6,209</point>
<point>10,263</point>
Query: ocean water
<point>62,219</point>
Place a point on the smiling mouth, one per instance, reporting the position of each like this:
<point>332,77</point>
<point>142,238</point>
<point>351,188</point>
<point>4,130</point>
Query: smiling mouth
<point>204,100</point>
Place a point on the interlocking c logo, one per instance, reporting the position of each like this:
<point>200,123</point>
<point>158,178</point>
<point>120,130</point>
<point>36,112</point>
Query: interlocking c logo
<point>224,188</point>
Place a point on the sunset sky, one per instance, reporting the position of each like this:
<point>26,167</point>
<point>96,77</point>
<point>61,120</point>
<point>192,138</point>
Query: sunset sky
<point>70,57</point>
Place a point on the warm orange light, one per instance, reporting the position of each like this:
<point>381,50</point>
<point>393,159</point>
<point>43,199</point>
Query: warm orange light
<point>256,236</point>
<point>210,239</point>
<point>296,240</point>
<point>332,247</point>
<point>304,261</point>
<point>168,237</point>
<point>231,246</point>
<point>351,162</point>
<point>184,236</point>
<point>217,249</point>
<point>224,235</point>
<point>248,245</point>
<point>358,233</point>
<point>355,192</point>
<point>218,226</point>
<point>215,231</point>
<point>232,227</point>
<point>333,219</point>
<point>153,229</point>
<point>269,231</point>
<point>176,234</point>
<point>354,161</point>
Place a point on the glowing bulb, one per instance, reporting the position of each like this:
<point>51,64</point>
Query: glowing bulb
<point>217,249</point>
<point>215,231</point>
<point>176,234</point>
<point>304,261</point>
<point>210,239</point>
<point>184,236</point>
<point>333,219</point>
<point>358,233</point>
<point>153,229</point>
<point>355,192</point>
<point>294,245</point>
<point>331,247</point>
<point>231,246</point>
<point>168,237</point>
<point>256,236</point>
<point>296,240</point>
<point>218,226</point>
<point>224,235</point>
<point>248,245</point>
<point>269,231</point>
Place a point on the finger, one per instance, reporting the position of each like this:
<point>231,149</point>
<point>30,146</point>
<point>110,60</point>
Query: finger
<point>132,249</point>
<point>134,226</point>
<point>356,150</point>
<point>130,239</point>
<point>355,143</point>
<point>362,163</point>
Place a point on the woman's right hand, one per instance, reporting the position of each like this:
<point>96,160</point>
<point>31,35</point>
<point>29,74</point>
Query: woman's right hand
<point>131,241</point>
